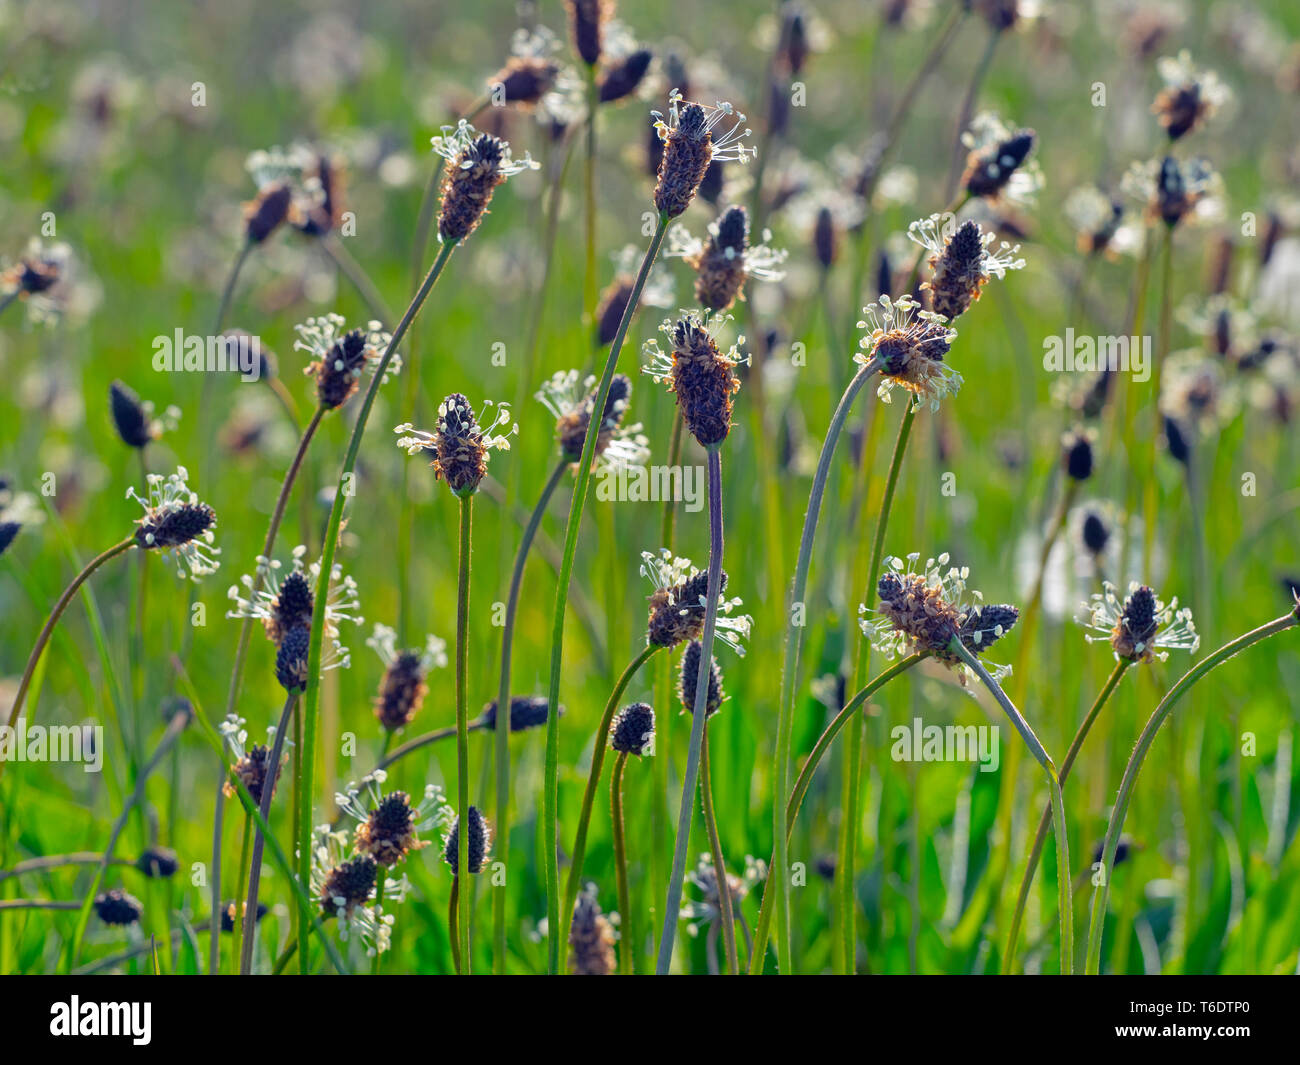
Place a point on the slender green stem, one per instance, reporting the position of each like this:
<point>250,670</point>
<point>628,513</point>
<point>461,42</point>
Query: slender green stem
<point>1120,810</point>
<point>25,682</point>
<point>241,878</point>
<point>777,873</point>
<point>574,883</point>
<point>259,841</point>
<point>589,284</point>
<point>625,956</point>
<point>268,545</point>
<point>453,922</point>
<point>57,861</point>
<point>214,876</point>
<point>1054,784</point>
<point>802,784</point>
<point>422,740</point>
<point>550,792</point>
<point>725,916</point>
<point>462,725</point>
<point>1112,682</point>
<point>228,293</point>
<point>690,779</point>
<point>501,745</point>
<point>342,492</point>
<point>968,103</point>
<point>1151,488</point>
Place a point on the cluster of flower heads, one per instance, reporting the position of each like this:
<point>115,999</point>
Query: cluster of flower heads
<point>962,259</point>
<point>694,135</point>
<point>403,687</point>
<point>725,260</point>
<point>476,164</point>
<point>1140,627</point>
<point>910,344</point>
<point>707,908</point>
<point>571,398</point>
<point>461,442</point>
<point>923,610</point>
<point>680,599</point>
<point>284,606</point>
<point>339,356</point>
<point>176,521</point>
<point>347,887</point>
<point>252,764</point>
<point>998,166</point>
<point>700,373</point>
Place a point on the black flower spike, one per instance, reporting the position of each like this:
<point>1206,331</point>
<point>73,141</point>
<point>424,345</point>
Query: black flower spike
<point>158,862</point>
<point>634,729</point>
<point>1076,456</point>
<point>525,80</point>
<point>958,276</point>
<point>526,712</point>
<point>1137,626</point>
<point>176,526</point>
<point>689,677</point>
<point>1095,533</point>
<point>129,416</point>
<point>826,239</point>
<point>704,382</point>
<point>611,308</point>
<point>1180,448</point>
<point>793,49</point>
<point>460,454</point>
<point>8,530</point>
<point>291,659</point>
<point>264,214</point>
<point>572,428</point>
<point>338,374</point>
<point>116,907</point>
<point>622,78</point>
<point>468,183</point>
<point>348,886</point>
<point>401,691</point>
<point>292,608</point>
<point>480,842</point>
<point>389,834</point>
<point>984,625</point>
<point>676,614</point>
<point>989,169</point>
<point>587,20</point>
<point>720,265</point>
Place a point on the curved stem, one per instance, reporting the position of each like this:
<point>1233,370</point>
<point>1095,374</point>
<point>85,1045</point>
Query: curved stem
<point>625,962</point>
<point>802,784</point>
<point>342,492</point>
<point>777,873</point>
<point>550,786</point>
<point>268,545</point>
<point>259,841</point>
<point>699,713</point>
<point>725,916</point>
<point>501,744</point>
<point>1134,766</point>
<point>1112,682</point>
<point>462,725</point>
<point>593,782</point>
<point>25,682</point>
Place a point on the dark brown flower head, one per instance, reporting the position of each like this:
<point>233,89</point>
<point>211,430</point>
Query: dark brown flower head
<point>983,625</point>
<point>526,712</point>
<point>961,268</point>
<point>792,47</point>
<point>693,136</point>
<point>611,308</point>
<point>175,527</point>
<point>719,265</point>
<point>130,416</point>
<point>389,833</point>
<point>252,769</point>
<point>321,210</point>
<point>1177,441</point>
<point>480,842</point>
<point>348,886</point>
<point>677,612</point>
<point>591,938</point>
<point>918,609</point>
<point>910,345</point>
<point>476,164</point>
<point>291,608</point>
<point>158,862</point>
<point>228,910</point>
<point>116,907</point>
<point>989,168</point>
<point>338,373</point>
<point>701,375</point>
<point>571,427</point>
<point>826,238</point>
<point>622,78</point>
<point>291,659</point>
<point>1095,533</point>
<point>587,20</point>
<point>35,273</point>
<point>524,80</point>
<point>687,680</point>
<point>1076,456</point>
<point>1133,633</point>
<point>264,214</point>
<point>461,456</point>
<point>1001,15</point>
<point>8,530</point>
<point>175,520</point>
<point>633,729</point>
<point>1140,628</point>
<point>401,691</point>
<point>1189,96</point>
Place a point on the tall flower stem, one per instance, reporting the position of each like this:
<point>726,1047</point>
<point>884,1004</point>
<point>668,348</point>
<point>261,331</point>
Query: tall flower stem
<point>1054,785</point>
<point>574,882</point>
<point>589,284</point>
<point>1119,811</point>
<point>804,781</point>
<point>501,741</point>
<point>214,929</point>
<point>1150,488</point>
<point>968,103</point>
<point>241,878</point>
<point>1076,745</point>
<point>725,915</point>
<point>462,725</point>
<point>691,776</point>
<point>550,787</point>
<point>25,682</point>
<point>625,956</point>
<point>776,880</point>
<point>259,841</point>
<point>343,491</point>
<point>268,545</point>
<point>453,923</point>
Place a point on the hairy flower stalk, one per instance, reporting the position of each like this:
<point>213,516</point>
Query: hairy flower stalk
<point>1119,811</point>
